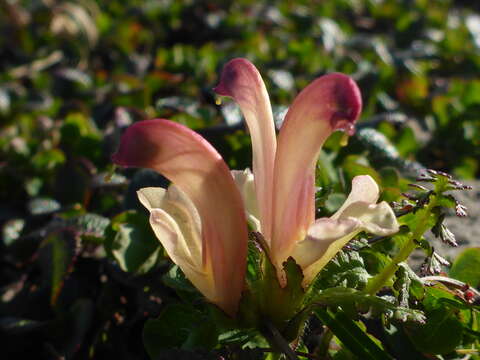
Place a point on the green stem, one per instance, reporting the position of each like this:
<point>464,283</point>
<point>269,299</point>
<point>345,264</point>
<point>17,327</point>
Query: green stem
<point>277,341</point>
<point>322,350</point>
<point>379,280</point>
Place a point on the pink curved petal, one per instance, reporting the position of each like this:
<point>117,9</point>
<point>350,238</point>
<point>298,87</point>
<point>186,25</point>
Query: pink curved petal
<point>242,81</point>
<point>196,168</point>
<point>329,103</point>
<point>246,185</point>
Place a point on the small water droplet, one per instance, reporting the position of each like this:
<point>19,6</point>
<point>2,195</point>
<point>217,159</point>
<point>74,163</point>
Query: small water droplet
<point>346,126</point>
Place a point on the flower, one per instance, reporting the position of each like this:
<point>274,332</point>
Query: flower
<point>279,195</point>
<point>200,219</point>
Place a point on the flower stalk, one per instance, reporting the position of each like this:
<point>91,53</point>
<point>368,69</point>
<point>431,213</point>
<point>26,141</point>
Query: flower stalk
<point>382,278</point>
<point>427,204</point>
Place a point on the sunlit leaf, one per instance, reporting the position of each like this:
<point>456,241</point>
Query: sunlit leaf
<point>466,267</point>
<point>131,242</point>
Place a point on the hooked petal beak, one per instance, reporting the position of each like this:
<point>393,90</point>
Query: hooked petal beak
<point>330,103</point>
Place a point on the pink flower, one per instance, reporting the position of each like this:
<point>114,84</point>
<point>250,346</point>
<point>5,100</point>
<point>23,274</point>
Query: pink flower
<point>280,194</point>
<point>201,219</point>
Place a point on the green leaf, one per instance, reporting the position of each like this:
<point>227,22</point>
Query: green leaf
<point>16,326</point>
<point>175,278</point>
<point>406,142</point>
<point>80,136</point>
<point>382,152</point>
<point>466,167</point>
<point>254,270</point>
<point>244,337</point>
<point>42,206</point>
<point>90,225</point>
<point>374,260</point>
<point>48,159</point>
<point>294,280</point>
<point>356,303</point>
<point>390,176</point>
<point>422,217</point>
<point>447,201</point>
<point>178,326</point>
<point>11,230</point>
<point>58,254</point>
<point>78,321</point>
<point>202,336</point>
<point>276,303</point>
<point>326,173</point>
<point>399,344</point>
<point>77,125</point>
<point>346,269</point>
<point>350,334</point>
<point>354,165</point>
<point>416,287</point>
<point>402,286</point>
<point>441,333</point>
<point>466,267</point>
<point>75,76</point>
<point>131,242</point>
<point>33,186</point>
<point>334,202</point>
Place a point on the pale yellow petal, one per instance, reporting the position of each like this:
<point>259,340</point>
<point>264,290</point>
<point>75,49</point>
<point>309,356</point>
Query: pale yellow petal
<point>177,204</point>
<point>245,182</point>
<point>328,236</point>
<point>378,219</point>
<point>172,239</point>
<point>364,188</point>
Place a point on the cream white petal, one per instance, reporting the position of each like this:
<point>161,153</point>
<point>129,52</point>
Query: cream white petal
<point>327,236</point>
<point>378,219</point>
<point>180,209</point>
<point>364,188</point>
<point>176,223</point>
<point>151,197</point>
<point>319,237</point>
<point>245,182</point>
<point>173,240</point>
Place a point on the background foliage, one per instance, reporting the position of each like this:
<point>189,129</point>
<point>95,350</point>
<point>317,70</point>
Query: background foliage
<point>79,275</point>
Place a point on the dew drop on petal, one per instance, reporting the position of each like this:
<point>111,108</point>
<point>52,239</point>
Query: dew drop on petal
<point>346,126</point>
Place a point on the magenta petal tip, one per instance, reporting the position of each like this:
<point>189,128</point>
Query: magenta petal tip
<point>237,72</point>
<point>347,98</point>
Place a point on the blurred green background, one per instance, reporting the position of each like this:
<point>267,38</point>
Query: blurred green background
<point>75,74</point>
